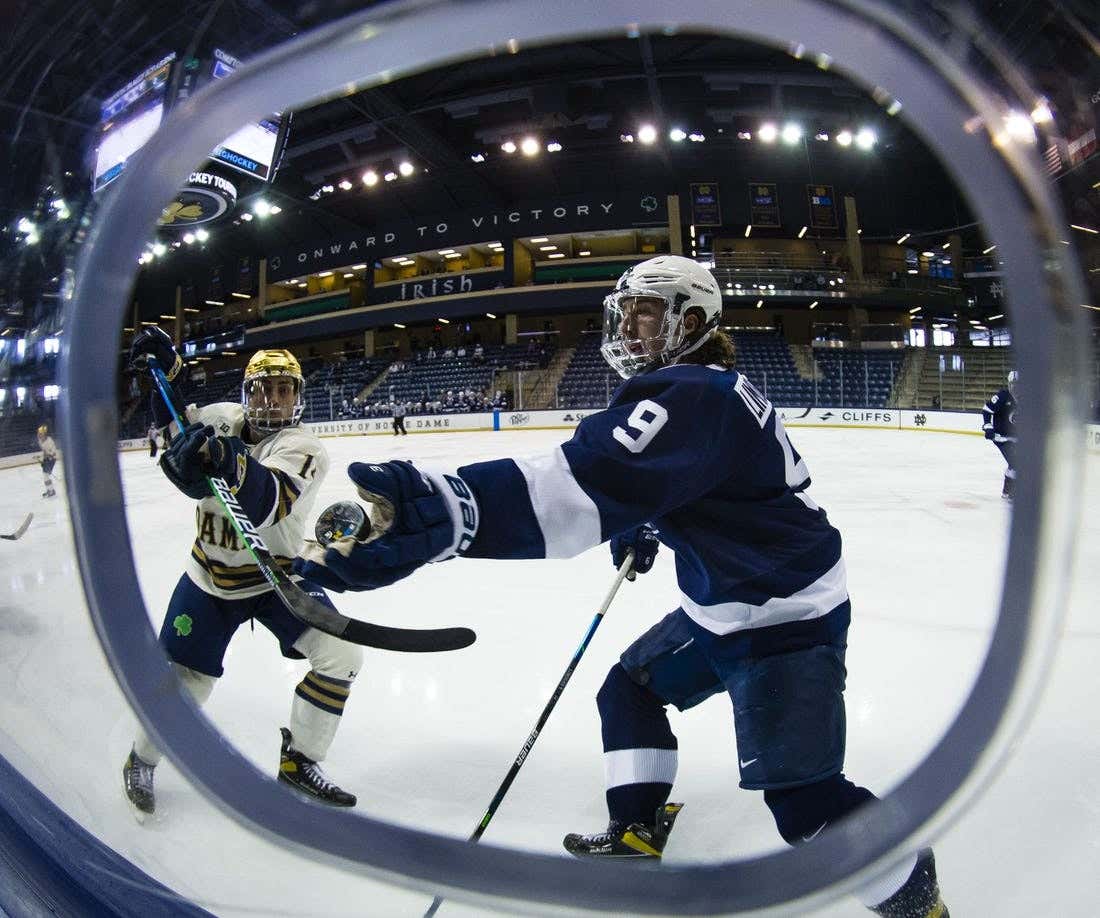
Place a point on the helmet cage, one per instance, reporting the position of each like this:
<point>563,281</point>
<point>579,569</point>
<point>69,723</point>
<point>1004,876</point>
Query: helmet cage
<point>267,417</point>
<point>631,356</point>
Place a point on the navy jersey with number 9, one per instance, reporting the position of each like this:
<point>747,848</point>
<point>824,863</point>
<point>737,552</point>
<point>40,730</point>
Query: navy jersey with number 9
<point>698,452</point>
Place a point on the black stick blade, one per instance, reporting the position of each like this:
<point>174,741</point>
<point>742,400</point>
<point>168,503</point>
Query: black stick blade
<point>19,532</point>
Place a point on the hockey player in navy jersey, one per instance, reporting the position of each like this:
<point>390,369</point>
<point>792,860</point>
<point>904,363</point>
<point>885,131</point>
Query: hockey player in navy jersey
<point>691,455</point>
<point>999,425</point>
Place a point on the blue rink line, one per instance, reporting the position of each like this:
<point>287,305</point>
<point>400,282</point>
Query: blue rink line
<point>51,866</point>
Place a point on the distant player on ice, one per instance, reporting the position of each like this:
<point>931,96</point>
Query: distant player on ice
<point>999,425</point>
<point>48,460</point>
<point>275,468</point>
<point>690,447</point>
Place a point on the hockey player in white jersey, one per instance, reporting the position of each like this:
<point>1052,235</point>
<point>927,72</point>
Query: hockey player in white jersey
<point>691,455</point>
<point>48,461</point>
<point>275,468</point>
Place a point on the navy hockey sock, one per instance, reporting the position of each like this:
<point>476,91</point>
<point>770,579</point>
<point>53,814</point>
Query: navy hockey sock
<point>639,749</point>
<point>802,812</point>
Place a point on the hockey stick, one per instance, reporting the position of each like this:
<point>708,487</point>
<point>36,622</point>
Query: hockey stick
<point>19,532</point>
<point>299,603</point>
<point>625,568</point>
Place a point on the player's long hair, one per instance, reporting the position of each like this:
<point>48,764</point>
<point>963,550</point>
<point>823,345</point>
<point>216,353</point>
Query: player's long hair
<point>717,349</point>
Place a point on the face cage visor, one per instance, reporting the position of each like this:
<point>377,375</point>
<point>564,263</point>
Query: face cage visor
<point>623,349</point>
<point>263,409</point>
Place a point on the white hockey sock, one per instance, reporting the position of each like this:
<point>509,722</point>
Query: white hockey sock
<point>315,713</point>
<point>199,686</point>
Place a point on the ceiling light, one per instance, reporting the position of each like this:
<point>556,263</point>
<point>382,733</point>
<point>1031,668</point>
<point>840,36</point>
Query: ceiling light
<point>748,230</point>
<point>553,147</point>
<point>444,321</point>
<point>1084,229</point>
<point>1018,126</point>
<point>390,176</point>
<point>534,240</point>
<point>241,296</point>
<point>768,132</point>
<point>358,267</point>
<point>302,284</point>
<point>696,137</point>
<point>398,325</point>
<point>912,271</point>
<point>821,135</point>
<point>903,238</point>
<point>328,189</point>
<point>946,245</point>
<point>454,255</point>
<point>744,135</point>
<point>844,138</point>
<point>406,168</point>
<point>169,318</point>
<point>802,232</point>
<point>159,248</point>
<point>1041,113</point>
<point>214,303</point>
<point>275,209</point>
<point>529,146</point>
<point>247,217</point>
<point>370,177</point>
<point>677,134</point>
<point>345,185</point>
<point>584,252</point>
<point>446,251</point>
<point>477,157</point>
<point>348,275</point>
<point>261,208</point>
<point>792,133</point>
<point>548,248</point>
<point>759,303</point>
<point>990,249</point>
<point>813,304</point>
<point>508,146</point>
<point>188,238</point>
<point>325,274</point>
<point>866,139</point>
<point>647,134</point>
<point>999,315</point>
<point>945,261</point>
<point>626,138</point>
<point>556,255</point>
<point>915,309</point>
<point>489,315</point>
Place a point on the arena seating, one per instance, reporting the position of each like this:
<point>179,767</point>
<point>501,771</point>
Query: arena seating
<point>328,387</point>
<point>588,379</point>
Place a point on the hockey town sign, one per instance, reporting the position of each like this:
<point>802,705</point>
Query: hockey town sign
<point>571,215</point>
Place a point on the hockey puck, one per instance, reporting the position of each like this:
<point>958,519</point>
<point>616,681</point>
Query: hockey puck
<point>342,520</point>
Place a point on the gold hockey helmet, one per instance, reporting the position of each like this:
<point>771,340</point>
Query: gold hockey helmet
<point>43,431</point>
<point>266,407</point>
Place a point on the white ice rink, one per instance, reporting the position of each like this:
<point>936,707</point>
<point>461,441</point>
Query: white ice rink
<point>426,739</point>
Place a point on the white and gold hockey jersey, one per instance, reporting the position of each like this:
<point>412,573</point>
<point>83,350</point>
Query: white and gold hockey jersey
<point>219,563</point>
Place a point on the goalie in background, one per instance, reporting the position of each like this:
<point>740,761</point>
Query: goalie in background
<point>48,460</point>
<point>275,468</point>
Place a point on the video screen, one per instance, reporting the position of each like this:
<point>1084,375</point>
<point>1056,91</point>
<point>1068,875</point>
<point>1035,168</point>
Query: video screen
<point>129,118</point>
<point>251,149</point>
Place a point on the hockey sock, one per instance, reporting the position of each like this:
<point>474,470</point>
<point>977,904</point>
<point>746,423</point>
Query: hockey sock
<point>199,686</point>
<point>315,713</point>
<point>639,749</point>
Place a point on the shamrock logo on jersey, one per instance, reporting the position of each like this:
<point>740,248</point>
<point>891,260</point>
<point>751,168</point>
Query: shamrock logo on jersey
<point>182,624</point>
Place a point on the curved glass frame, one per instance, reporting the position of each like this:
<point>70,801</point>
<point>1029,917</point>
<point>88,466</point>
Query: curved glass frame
<point>874,46</point>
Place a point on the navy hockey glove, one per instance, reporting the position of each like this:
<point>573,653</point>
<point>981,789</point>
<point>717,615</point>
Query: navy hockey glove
<point>419,516</point>
<point>184,462</point>
<point>153,341</point>
<point>644,542</point>
<point>989,432</point>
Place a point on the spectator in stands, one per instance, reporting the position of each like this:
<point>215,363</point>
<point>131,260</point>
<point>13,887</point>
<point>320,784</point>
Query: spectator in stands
<point>479,354</point>
<point>449,353</point>
<point>461,352</point>
<point>431,353</point>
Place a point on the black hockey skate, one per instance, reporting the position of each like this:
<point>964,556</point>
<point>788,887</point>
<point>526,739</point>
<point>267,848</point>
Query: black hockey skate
<point>919,897</point>
<point>1008,492</point>
<point>635,841</point>
<point>306,776</point>
<point>137,781</point>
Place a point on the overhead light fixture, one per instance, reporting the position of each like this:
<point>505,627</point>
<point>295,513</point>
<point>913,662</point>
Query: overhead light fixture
<point>584,252</point>
<point>759,303</point>
<point>1041,113</point>
<point>696,137</point>
<point>446,251</point>
<point>844,138</point>
<point>188,238</point>
<point>1017,126</point>
<point>489,315</point>
<point>390,176</point>
<point>813,304</point>
<point>247,217</point>
<point>556,255</point>
<point>261,208</point>
<point>647,134</point>
<point>509,146</point>
<point>159,248</point>
<point>903,238</point>
<point>915,309</point>
<point>748,230</point>
<point>477,157</point>
<point>1084,229</point>
<point>406,168</point>
<point>691,230</point>
<point>241,296</point>
<point>328,189</point>
<point>548,248</point>
<point>189,309</point>
<point>398,325</point>
<point>453,255</point>
<point>792,133</point>
<point>214,303</point>
<point>358,267</point>
<point>946,245</point>
<point>802,232</point>
<point>821,135</point>
<point>913,271</point>
<point>626,138</point>
<point>553,147</point>
<point>348,275</point>
<point>768,132</point>
<point>169,318</point>
<point>325,274</point>
<point>990,249</point>
<point>744,135</point>
<point>999,315</point>
<point>370,177</point>
<point>676,135</point>
<point>444,321</point>
<point>302,284</point>
<point>275,209</point>
<point>345,185</point>
<point>945,261</point>
<point>866,139</point>
<point>859,232</point>
<point>534,240</point>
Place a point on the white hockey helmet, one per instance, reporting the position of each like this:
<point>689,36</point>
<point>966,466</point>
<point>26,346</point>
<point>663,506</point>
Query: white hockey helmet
<point>675,285</point>
<point>1013,380</point>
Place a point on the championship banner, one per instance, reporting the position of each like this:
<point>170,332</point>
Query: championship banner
<point>764,204</point>
<point>822,207</point>
<point>706,209</point>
